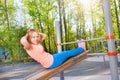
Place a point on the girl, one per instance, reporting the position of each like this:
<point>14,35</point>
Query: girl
<point>32,44</point>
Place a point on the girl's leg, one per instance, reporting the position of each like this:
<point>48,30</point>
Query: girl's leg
<point>75,52</point>
<point>60,58</point>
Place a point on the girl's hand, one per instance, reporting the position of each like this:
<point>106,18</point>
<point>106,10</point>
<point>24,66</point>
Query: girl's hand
<point>42,35</point>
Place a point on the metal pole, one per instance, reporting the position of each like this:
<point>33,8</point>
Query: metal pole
<point>82,41</point>
<point>102,46</point>
<point>110,41</point>
<point>57,26</point>
<point>91,48</point>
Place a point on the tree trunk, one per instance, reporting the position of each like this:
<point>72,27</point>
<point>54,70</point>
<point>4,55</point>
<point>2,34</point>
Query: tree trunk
<point>64,21</point>
<point>117,20</point>
<point>6,11</point>
<point>59,7</point>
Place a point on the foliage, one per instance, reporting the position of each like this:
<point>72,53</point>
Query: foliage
<point>118,49</point>
<point>42,14</point>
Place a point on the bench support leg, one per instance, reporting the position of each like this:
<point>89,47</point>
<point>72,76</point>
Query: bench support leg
<point>62,76</point>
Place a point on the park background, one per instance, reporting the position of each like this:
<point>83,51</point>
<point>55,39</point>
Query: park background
<point>79,19</point>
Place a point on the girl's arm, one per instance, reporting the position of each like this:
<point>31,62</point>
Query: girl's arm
<point>25,43</point>
<point>42,36</point>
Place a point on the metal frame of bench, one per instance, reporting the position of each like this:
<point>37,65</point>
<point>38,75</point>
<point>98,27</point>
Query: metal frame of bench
<point>46,74</point>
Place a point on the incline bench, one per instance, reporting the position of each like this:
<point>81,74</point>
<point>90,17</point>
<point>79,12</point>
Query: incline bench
<point>46,74</point>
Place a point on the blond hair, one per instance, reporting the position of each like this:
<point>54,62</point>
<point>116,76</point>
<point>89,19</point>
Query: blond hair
<point>29,34</point>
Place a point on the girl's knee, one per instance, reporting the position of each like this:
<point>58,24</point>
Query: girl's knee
<point>81,49</point>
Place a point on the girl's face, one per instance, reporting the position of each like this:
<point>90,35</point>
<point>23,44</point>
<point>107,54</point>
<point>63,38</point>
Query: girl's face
<point>35,38</point>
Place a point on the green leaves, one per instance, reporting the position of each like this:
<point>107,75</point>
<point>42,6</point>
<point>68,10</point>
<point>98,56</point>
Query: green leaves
<point>42,14</point>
